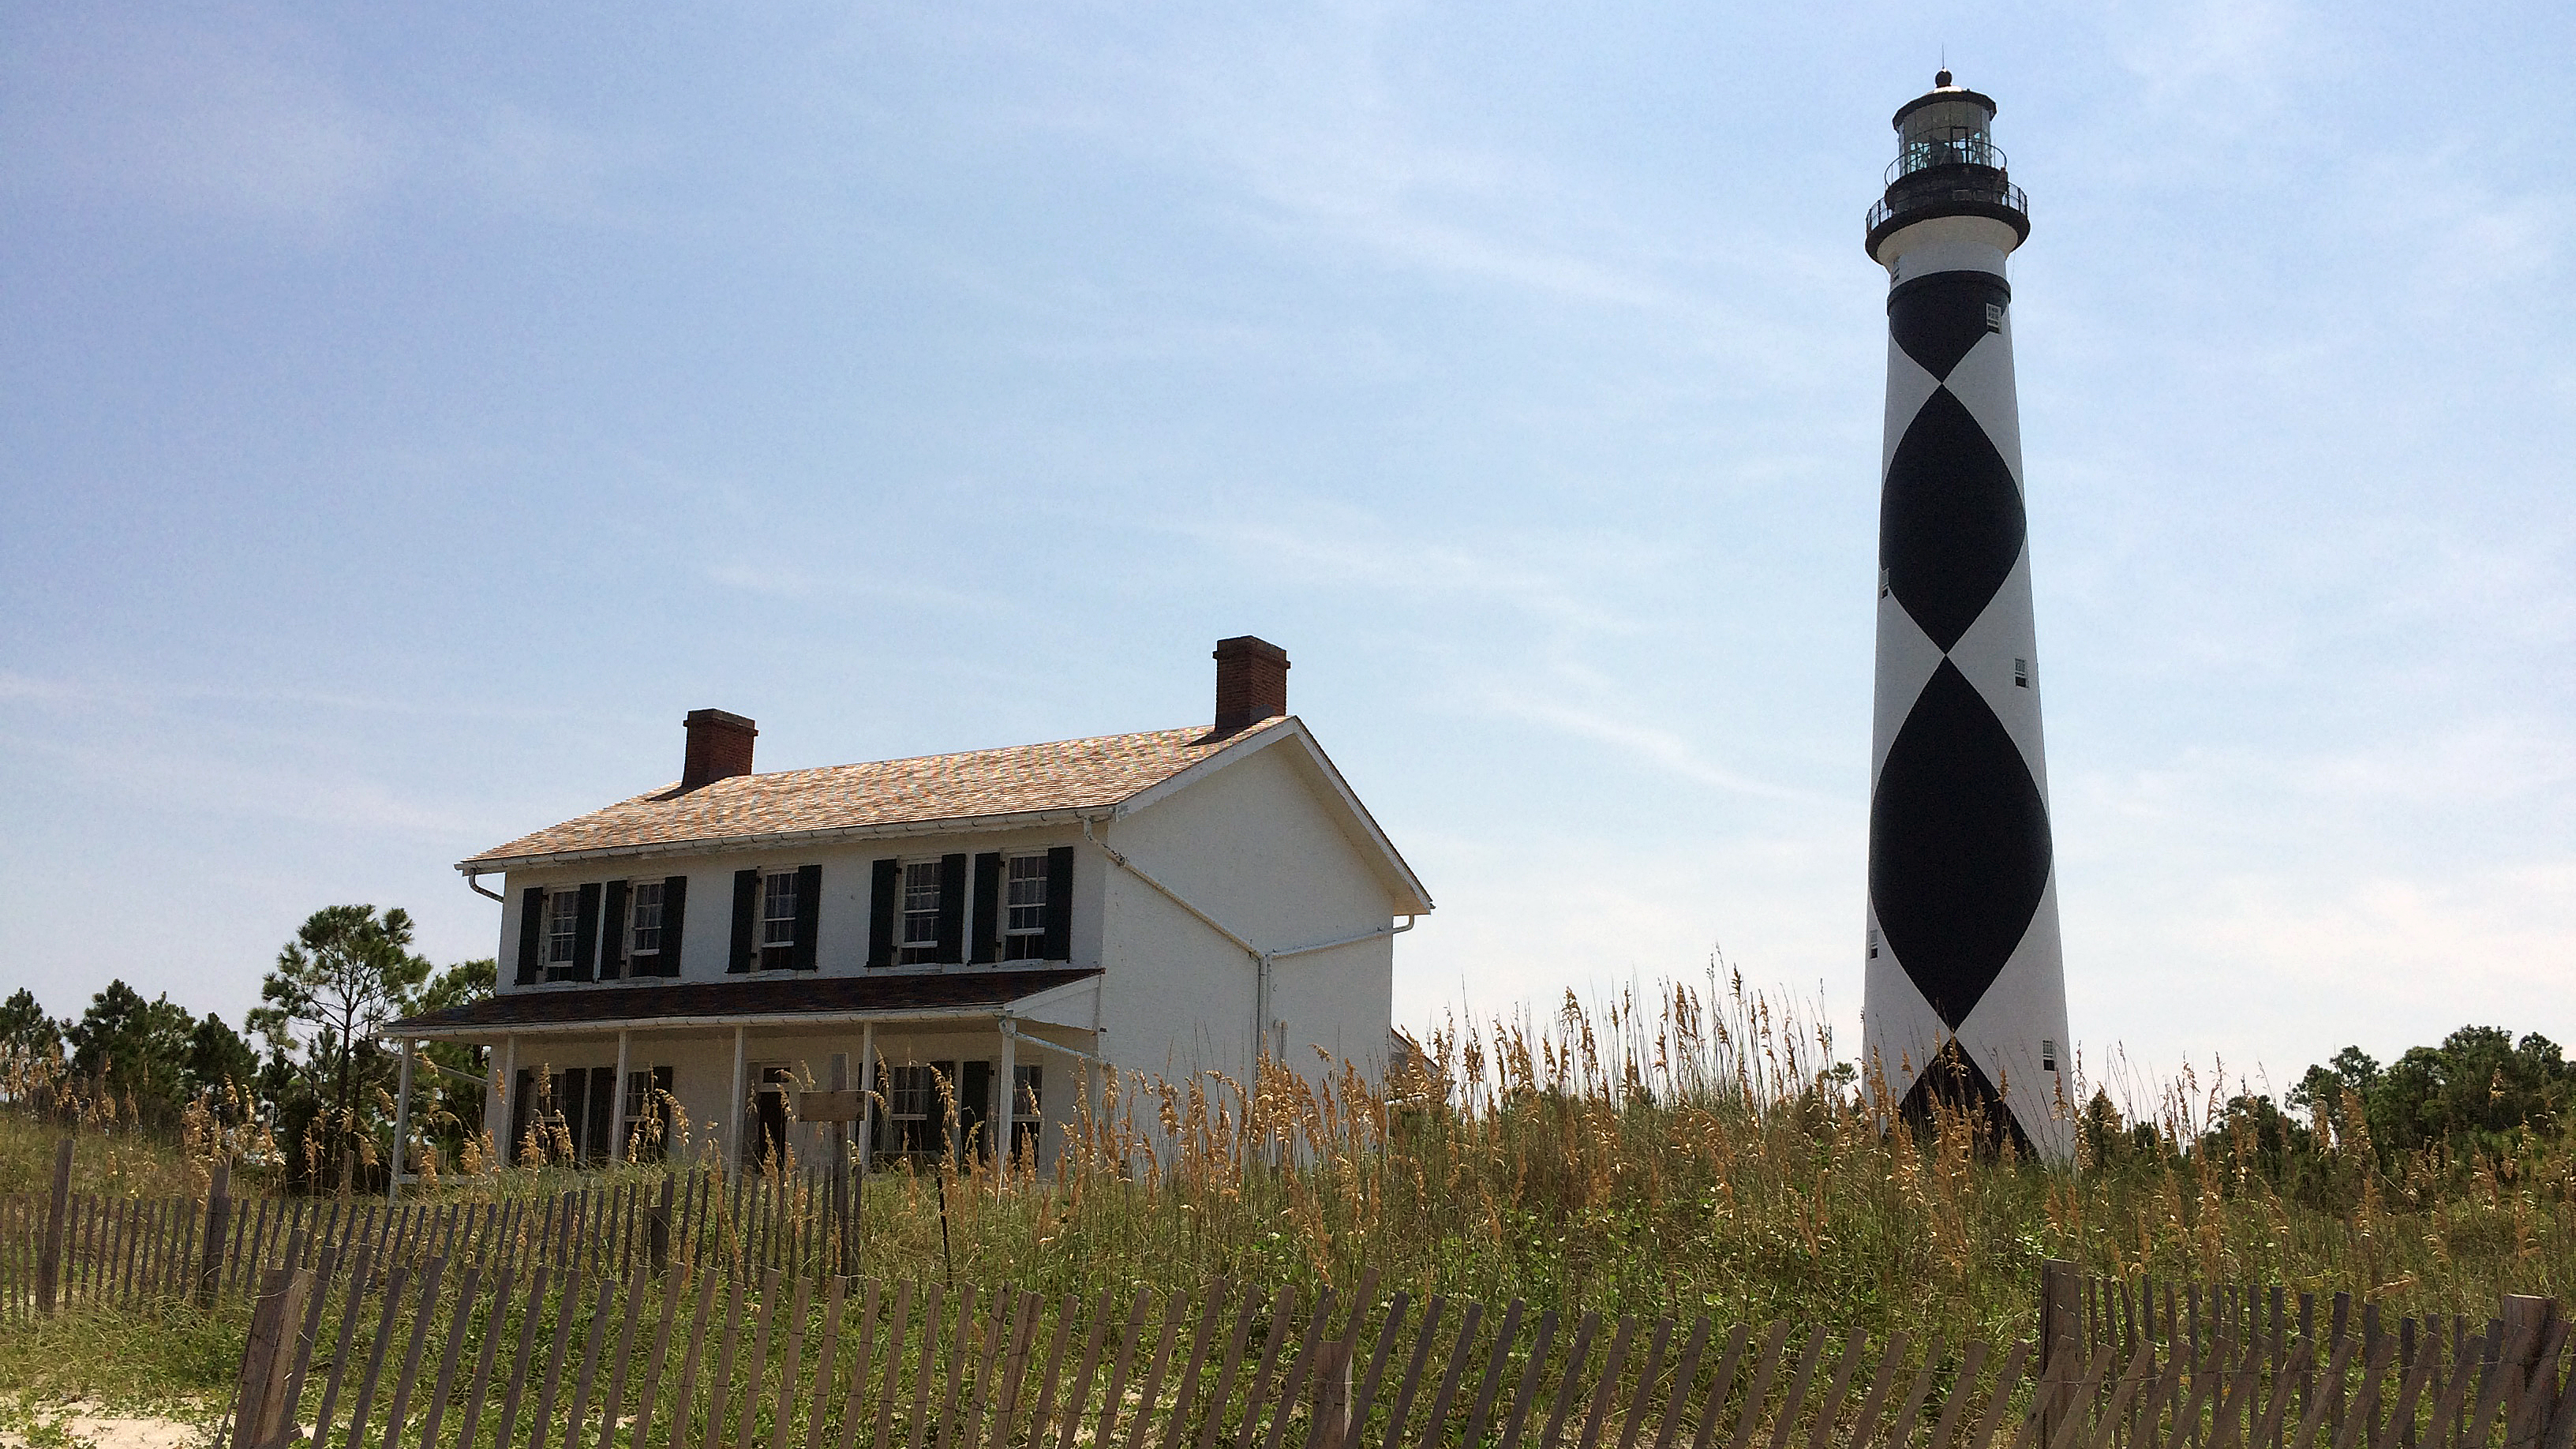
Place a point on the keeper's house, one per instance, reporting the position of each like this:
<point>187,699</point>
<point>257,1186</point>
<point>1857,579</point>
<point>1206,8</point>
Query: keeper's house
<point>1167,902</point>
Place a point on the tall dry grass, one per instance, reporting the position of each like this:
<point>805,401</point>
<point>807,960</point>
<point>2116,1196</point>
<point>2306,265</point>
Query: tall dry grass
<point>1690,1149</point>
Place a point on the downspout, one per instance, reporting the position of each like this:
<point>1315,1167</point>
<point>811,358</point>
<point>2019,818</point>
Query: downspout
<point>1129,866</point>
<point>1260,958</point>
<point>474,883</point>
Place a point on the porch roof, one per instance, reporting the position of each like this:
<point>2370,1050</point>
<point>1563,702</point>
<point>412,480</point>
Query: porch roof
<point>763,1000</point>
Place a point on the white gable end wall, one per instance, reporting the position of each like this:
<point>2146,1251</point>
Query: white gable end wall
<point>1256,846</point>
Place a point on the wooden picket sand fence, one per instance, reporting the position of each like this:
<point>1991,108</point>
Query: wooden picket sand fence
<point>66,1251</point>
<point>518,1353</point>
<point>690,1312</point>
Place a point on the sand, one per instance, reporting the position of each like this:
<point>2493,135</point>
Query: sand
<point>90,1424</point>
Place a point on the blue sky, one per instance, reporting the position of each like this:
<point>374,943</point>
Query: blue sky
<point>406,415</point>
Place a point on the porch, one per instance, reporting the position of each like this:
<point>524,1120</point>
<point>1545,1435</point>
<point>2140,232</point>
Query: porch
<point>722,1069</point>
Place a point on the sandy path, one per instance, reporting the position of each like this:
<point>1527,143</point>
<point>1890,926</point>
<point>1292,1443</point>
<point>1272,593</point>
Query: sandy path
<point>90,1423</point>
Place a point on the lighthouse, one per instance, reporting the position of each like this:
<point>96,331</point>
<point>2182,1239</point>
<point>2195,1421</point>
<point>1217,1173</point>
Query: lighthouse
<point>1964,996</point>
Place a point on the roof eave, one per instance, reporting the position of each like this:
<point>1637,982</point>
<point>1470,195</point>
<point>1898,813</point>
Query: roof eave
<point>712,845</point>
<point>399,1031</point>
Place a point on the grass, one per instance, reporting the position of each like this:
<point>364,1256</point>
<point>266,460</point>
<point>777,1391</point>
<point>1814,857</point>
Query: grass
<point>171,1361</point>
<point>109,1163</point>
<point>1686,1153</point>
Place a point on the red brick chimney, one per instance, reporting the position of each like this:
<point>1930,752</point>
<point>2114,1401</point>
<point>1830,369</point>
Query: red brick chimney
<point>1251,682</point>
<point>719,747</point>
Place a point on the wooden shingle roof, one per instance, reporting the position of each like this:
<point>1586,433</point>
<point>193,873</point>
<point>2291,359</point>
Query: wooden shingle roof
<point>976,784</point>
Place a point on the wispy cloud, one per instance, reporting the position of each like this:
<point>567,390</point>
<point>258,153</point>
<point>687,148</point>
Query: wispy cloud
<point>1661,747</point>
<point>245,120</point>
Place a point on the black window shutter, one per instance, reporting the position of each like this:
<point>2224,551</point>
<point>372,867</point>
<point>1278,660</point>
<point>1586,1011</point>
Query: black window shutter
<point>1059,905</point>
<point>885,891</point>
<point>572,1096</point>
<point>675,902</point>
<point>952,908</point>
<point>585,932</point>
<point>809,915</point>
<point>521,1086</point>
<point>988,906</point>
<point>604,1088</point>
<point>612,932</point>
<point>746,917</point>
<point>532,931</point>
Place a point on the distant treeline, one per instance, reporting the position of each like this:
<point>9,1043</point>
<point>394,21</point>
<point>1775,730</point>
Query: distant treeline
<point>303,1082</point>
<point>2475,1102</point>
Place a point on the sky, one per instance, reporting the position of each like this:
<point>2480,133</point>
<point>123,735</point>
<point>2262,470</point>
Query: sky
<point>406,414</point>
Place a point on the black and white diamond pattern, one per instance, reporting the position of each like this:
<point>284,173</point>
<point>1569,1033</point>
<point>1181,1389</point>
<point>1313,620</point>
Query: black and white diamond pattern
<point>1965,989</point>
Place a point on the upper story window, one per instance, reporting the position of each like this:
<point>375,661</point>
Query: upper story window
<point>1024,908</point>
<point>777,918</point>
<point>644,919</point>
<point>778,909</point>
<point>563,935</point>
<point>922,900</point>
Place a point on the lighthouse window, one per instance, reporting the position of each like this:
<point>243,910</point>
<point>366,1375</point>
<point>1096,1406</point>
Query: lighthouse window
<point>1994,317</point>
<point>2047,1055</point>
<point>1873,945</point>
<point>2021,673</point>
<point>1882,583</point>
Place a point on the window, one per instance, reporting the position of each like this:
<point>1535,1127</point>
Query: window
<point>648,1104</point>
<point>914,1096</point>
<point>644,919</point>
<point>1882,583</point>
<point>921,903</point>
<point>2047,1054</point>
<point>563,935</point>
<point>1873,945</point>
<point>777,910</point>
<point>639,1094</point>
<point>768,1143</point>
<point>914,1111</point>
<point>1027,1085</point>
<point>1994,317</point>
<point>1024,908</point>
<point>2021,674</point>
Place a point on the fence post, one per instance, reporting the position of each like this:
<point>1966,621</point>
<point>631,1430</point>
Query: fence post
<point>2532,1340</point>
<point>219,1211</point>
<point>1333,1392</point>
<point>2061,1343</point>
<point>49,1268</point>
<point>268,1359</point>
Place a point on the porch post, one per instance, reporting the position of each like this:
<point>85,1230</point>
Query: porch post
<point>507,1080</point>
<point>1010,1100</point>
<point>733,1112</point>
<point>617,1112</point>
<point>867,1100</point>
<point>402,1122</point>
<point>1093,1100</point>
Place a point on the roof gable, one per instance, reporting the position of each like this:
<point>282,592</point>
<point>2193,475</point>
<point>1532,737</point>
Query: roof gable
<point>1321,776</point>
